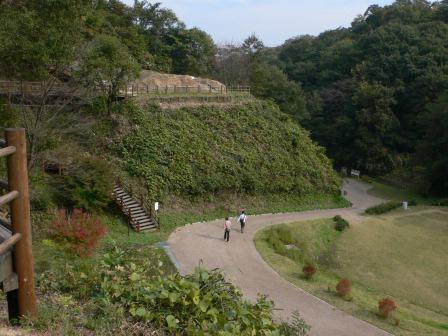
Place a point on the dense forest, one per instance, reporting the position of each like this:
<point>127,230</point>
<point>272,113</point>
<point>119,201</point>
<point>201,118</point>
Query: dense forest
<point>374,94</point>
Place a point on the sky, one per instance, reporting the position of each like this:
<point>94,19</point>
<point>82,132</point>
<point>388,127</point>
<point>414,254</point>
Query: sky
<point>273,21</point>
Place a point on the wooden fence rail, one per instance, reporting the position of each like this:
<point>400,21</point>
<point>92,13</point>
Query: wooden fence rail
<point>16,255</point>
<point>133,90</point>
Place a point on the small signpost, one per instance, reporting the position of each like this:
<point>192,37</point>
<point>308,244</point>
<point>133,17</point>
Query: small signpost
<point>356,173</point>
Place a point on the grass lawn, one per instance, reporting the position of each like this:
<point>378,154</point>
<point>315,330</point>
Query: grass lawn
<point>391,193</point>
<point>400,255</point>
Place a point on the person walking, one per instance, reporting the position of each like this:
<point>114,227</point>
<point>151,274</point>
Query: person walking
<point>227,226</point>
<point>242,219</point>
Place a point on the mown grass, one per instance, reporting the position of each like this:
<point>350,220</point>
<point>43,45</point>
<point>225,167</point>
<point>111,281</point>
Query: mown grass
<point>392,193</point>
<point>400,255</point>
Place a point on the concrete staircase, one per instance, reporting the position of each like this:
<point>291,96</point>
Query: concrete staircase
<point>140,219</point>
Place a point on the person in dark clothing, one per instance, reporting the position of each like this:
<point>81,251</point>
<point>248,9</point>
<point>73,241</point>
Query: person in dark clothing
<point>242,219</point>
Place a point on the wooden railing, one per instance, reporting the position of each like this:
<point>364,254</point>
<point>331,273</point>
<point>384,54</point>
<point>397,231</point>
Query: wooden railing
<point>16,255</point>
<point>136,89</point>
<point>140,198</point>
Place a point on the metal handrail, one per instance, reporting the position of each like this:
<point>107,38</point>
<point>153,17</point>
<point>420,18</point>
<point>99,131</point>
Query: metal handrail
<point>9,243</point>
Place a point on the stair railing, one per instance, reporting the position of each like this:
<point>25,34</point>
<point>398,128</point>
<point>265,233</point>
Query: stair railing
<point>143,201</point>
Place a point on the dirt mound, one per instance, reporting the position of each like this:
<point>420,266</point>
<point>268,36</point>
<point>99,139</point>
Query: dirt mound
<point>153,79</point>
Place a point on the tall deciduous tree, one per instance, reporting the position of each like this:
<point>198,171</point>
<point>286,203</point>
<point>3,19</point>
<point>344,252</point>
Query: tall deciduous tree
<point>107,64</point>
<point>433,148</point>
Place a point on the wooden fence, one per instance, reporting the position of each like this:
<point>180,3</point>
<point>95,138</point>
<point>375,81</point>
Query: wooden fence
<point>133,90</point>
<point>16,255</point>
<point>198,99</point>
<point>11,88</point>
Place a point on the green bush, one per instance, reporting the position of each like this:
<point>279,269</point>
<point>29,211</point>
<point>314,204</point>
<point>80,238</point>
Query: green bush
<point>383,208</point>
<point>340,223</point>
<point>41,193</point>
<point>87,185</point>
<point>203,303</point>
<point>297,327</point>
<point>367,179</point>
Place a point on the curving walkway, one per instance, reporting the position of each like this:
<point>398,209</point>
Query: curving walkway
<point>243,265</point>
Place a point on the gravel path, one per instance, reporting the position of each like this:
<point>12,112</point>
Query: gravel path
<point>239,259</point>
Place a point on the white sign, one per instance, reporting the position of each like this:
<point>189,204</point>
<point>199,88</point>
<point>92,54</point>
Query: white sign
<point>156,206</point>
<point>355,172</point>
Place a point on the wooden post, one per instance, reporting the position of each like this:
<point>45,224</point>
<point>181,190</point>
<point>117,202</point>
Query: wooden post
<point>21,222</point>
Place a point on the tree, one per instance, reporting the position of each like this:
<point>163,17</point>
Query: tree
<point>40,40</point>
<point>375,125</point>
<point>192,52</point>
<point>433,148</point>
<point>107,64</point>
<point>268,81</point>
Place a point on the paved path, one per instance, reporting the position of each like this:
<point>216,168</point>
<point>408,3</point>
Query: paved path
<point>243,265</point>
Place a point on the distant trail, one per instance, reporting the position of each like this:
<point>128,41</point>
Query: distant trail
<point>243,265</point>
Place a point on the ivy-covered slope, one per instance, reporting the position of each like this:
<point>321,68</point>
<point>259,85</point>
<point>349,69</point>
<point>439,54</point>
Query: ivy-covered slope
<point>251,148</point>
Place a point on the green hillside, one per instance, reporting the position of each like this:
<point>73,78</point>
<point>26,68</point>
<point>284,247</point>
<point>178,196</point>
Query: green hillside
<point>251,148</point>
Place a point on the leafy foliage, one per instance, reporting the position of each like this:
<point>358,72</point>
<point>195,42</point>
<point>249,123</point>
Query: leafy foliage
<point>368,87</point>
<point>107,64</point>
<point>202,303</point>
<point>383,208</point>
<point>309,271</point>
<point>87,184</point>
<point>340,223</point>
<point>79,230</point>
<point>386,307</point>
<point>432,148</point>
<point>343,287</point>
<point>252,148</point>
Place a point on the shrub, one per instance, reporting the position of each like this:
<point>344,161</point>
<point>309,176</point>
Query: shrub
<point>367,179</point>
<point>340,223</point>
<point>343,287</point>
<point>88,184</point>
<point>383,208</point>
<point>80,231</point>
<point>309,271</point>
<point>202,303</point>
<point>297,327</point>
<point>386,307</point>
<point>285,235</point>
<point>412,203</point>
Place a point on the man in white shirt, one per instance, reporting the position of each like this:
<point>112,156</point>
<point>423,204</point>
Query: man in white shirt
<point>242,219</point>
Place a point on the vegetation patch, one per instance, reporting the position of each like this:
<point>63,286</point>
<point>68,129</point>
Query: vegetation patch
<point>382,208</point>
<point>254,149</point>
<point>367,257</point>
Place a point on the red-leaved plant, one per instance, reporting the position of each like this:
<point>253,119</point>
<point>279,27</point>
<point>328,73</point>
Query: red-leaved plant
<point>343,287</point>
<point>80,230</point>
<point>309,270</point>
<point>386,307</point>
